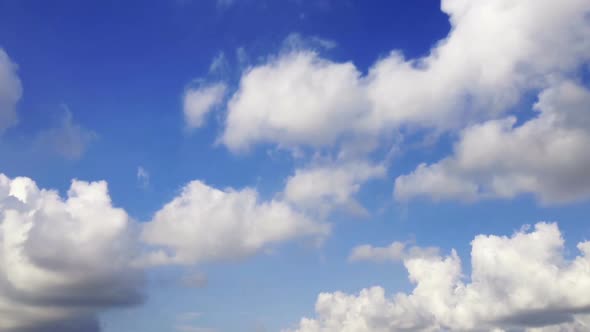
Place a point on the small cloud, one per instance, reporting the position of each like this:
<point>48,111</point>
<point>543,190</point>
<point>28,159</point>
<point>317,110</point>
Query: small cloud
<point>224,4</point>
<point>68,139</point>
<point>242,57</point>
<point>143,177</point>
<point>296,41</point>
<point>199,101</point>
<point>219,64</point>
<point>188,316</point>
<point>195,280</point>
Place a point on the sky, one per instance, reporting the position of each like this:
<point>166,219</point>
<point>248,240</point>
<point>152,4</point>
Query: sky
<point>294,165</point>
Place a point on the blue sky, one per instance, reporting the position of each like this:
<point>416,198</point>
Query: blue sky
<point>250,147</point>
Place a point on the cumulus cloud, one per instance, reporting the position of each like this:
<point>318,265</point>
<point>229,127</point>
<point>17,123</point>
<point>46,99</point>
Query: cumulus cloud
<point>199,101</point>
<point>68,139</point>
<point>62,261</point>
<point>322,188</point>
<point>65,260</point>
<point>291,100</point>
<point>546,156</point>
<point>205,223</point>
<point>10,91</point>
<point>494,52</point>
<point>546,292</point>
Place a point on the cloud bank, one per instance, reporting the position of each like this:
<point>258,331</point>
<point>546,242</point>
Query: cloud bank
<point>517,283</point>
<point>65,260</point>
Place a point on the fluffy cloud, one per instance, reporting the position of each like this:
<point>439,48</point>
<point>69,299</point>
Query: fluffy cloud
<point>496,50</point>
<point>200,101</point>
<point>62,260</point>
<point>10,91</point>
<point>296,98</point>
<point>323,188</point>
<point>546,156</point>
<point>204,223</point>
<point>546,290</point>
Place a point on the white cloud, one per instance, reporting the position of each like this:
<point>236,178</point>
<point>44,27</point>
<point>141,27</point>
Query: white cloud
<point>65,260</point>
<point>10,91</point>
<point>322,188</point>
<point>546,156</point>
<point>198,102</point>
<point>295,41</point>
<point>62,260</point>
<point>204,224</point>
<point>517,283</point>
<point>297,98</point>
<point>69,139</point>
<point>143,177</point>
<point>396,251</point>
<point>495,52</point>
<point>219,65</point>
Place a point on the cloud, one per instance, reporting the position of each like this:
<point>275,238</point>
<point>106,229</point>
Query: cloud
<point>143,177</point>
<point>395,252</point>
<point>223,4</point>
<point>546,156</point>
<point>65,260</point>
<point>68,139</point>
<point>322,188</point>
<point>62,260</point>
<point>545,289</point>
<point>10,91</point>
<point>195,280</point>
<point>204,224</point>
<point>219,65</point>
<point>296,42</point>
<point>291,100</point>
<point>495,52</point>
<point>200,101</point>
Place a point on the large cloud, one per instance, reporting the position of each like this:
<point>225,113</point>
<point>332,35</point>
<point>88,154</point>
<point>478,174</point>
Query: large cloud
<point>547,156</point>
<point>546,290</point>
<point>62,260</point>
<point>496,50</point>
<point>65,260</point>
<point>10,91</point>
<point>204,223</point>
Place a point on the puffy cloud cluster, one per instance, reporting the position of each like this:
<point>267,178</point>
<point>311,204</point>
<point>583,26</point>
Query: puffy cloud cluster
<point>10,91</point>
<point>204,224</point>
<point>522,282</point>
<point>496,50</point>
<point>62,260</point>
<point>546,156</point>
